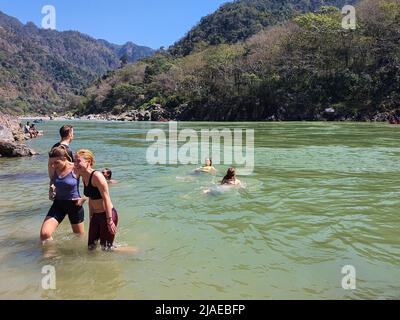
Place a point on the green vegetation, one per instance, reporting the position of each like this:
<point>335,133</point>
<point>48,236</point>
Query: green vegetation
<point>293,71</point>
<point>238,20</point>
<point>42,69</point>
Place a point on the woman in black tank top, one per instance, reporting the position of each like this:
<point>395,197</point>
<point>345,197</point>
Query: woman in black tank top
<point>90,191</point>
<point>103,216</point>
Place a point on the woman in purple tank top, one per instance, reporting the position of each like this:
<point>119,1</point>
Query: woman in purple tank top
<point>67,200</point>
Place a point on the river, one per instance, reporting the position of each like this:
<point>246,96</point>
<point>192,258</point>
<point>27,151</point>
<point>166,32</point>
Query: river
<point>322,196</point>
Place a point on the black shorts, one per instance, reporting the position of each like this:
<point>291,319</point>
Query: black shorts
<point>61,208</point>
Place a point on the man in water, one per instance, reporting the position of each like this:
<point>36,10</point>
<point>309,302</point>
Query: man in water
<point>67,135</point>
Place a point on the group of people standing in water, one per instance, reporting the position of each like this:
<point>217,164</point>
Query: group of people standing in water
<point>65,170</point>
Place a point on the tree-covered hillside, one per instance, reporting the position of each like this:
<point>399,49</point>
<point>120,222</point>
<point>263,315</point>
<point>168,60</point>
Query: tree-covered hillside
<point>239,20</point>
<point>306,69</point>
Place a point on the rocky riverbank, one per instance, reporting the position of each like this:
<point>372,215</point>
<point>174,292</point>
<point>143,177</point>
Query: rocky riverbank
<point>158,113</point>
<point>153,112</point>
<point>11,138</point>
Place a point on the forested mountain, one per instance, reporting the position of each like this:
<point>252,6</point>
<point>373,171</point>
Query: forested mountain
<point>40,69</point>
<point>239,20</point>
<point>308,68</point>
<point>129,51</point>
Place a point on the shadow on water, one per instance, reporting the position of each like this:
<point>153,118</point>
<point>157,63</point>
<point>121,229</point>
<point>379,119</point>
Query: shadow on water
<point>23,176</point>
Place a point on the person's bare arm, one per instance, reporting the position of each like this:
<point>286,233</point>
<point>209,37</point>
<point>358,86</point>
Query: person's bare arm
<point>79,201</point>
<point>50,168</point>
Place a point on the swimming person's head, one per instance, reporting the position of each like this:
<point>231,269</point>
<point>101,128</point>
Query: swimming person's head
<point>67,132</point>
<point>84,160</point>
<point>230,174</point>
<point>107,173</point>
<point>208,162</point>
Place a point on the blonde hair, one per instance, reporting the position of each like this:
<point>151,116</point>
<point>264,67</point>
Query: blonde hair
<point>87,155</point>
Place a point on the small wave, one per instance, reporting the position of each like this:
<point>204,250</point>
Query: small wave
<point>221,189</point>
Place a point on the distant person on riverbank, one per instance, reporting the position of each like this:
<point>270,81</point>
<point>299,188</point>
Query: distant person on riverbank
<point>27,130</point>
<point>67,200</point>
<point>27,127</point>
<point>207,168</point>
<point>107,173</point>
<point>393,119</point>
<point>33,131</point>
<point>230,178</point>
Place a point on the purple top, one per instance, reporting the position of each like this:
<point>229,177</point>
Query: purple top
<point>67,188</point>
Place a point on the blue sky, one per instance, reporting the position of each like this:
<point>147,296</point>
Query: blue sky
<point>152,23</point>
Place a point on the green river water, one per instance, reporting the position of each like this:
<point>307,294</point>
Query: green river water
<point>322,196</point>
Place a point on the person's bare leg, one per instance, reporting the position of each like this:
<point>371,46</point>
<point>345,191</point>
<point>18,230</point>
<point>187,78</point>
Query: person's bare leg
<point>48,227</point>
<point>78,229</point>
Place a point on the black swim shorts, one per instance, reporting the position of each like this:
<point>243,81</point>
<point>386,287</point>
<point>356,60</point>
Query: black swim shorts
<point>61,208</point>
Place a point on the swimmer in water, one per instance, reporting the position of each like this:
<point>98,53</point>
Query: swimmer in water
<point>230,178</point>
<point>207,168</point>
<point>227,182</point>
<point>107,173</point>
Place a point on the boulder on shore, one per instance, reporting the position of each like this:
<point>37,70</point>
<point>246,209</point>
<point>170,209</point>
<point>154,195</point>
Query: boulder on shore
<point>5,133</point>
<point>10,132</point>
<point>10,149</point>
